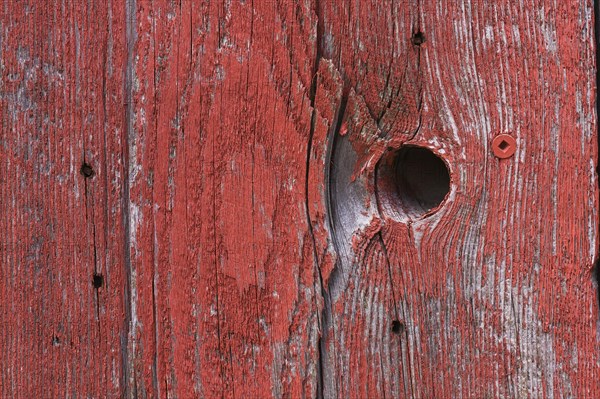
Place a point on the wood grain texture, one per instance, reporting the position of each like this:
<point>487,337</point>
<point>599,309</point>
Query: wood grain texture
<point>244,217</point>
<point>61,104</point>
<point>492,295</point>
<point>223,264</point>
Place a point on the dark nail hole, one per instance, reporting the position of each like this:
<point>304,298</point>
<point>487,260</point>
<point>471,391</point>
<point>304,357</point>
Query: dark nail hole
<point>418,38</point>
<point>98,280</point>
<point>87,170</point>
<point>503,145</point>
<point>55,340</point>
<point>397,327</point>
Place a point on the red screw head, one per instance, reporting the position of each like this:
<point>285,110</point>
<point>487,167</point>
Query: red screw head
<point>504,146</point>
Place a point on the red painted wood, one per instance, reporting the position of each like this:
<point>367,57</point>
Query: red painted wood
<point>61,104</point>
<point>244,217</point>
<point>222,255</point>
<point>493,294</point>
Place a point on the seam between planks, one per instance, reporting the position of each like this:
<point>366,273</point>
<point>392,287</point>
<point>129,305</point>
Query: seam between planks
<point>128,374</point>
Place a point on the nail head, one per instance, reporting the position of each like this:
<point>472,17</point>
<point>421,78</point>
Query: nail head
<point>504,146</point>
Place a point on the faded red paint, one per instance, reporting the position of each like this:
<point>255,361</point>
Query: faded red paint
<point>494,290</point>
<point>231,258</point>
<point>61,104</point>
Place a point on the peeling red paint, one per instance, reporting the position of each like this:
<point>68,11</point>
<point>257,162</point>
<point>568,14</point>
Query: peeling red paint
<point>177,224</point>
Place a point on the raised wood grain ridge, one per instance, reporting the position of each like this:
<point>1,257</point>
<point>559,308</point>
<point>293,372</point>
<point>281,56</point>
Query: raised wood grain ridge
<point>196,199</point>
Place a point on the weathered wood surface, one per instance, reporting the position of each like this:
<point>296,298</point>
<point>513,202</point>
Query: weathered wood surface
<point>493,294</point>
<point>222,257</point>
<point>243,216</point>
<point>61,105</point>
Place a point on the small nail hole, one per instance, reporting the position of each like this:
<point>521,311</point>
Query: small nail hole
<point>55,340</point>
<point>418,38</point>
<point>98,280</point>
<point>503,145</point>
<point>397,327</point>
<point>87,170</point>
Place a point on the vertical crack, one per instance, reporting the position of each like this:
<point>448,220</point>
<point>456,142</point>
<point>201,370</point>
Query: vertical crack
<point>418,38</point>
<point>155,359</point>
<point>312,97</point>
<point>97,275</point>
<point>247,128</point>
<point>220,339</point>
<point>88,172</point>
<point>129,380</point>
<point>596,14</point>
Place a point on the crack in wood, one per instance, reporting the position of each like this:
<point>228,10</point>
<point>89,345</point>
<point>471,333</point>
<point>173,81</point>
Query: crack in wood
<point>312,97</point>
<point>129,383</point>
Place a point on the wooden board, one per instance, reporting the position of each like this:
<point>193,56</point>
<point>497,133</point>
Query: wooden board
<point>63,258</point>
<point>242,234</point>
<point>222,256</point>
<point>493,294</point>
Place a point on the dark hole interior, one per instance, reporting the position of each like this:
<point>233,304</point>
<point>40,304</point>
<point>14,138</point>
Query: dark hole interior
<point>397,327</point>
<point>503,145</point>
<point>98,280</point>
<point>422,180</point>
<point>87,170</point>
<point>418,38</point>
